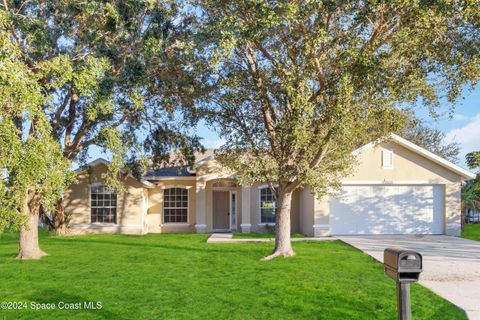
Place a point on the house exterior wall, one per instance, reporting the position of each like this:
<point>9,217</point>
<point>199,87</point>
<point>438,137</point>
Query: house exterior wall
<point>408,168</point>
<point>140,210</point>
<point>131,205</point>
<point>155,208</point>
<point>306,217</point>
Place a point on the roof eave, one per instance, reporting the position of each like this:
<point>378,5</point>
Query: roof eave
<point>98,161</point>
<point>467,175</point>
<point>92,164</point>
<point>158,178</point>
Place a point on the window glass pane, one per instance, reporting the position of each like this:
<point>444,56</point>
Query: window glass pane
<point>103,205</point>
<point>175,208</point>
<point>267,206</point>
<point>268,216</point>
<point>182,215</point>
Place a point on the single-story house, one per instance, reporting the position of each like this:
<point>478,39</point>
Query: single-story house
<point>397,187</point>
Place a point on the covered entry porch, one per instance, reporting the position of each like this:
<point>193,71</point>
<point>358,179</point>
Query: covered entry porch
<point>218,205</point>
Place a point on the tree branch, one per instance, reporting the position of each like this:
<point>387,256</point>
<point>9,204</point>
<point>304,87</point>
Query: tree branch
<point>322,151</point>
<point>71,118</point>
<point>58,114</point>
<point>270,58</point>
<point>265,101</point>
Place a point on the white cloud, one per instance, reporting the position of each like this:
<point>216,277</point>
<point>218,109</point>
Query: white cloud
<point>468,136</point>
<point>459,117</point>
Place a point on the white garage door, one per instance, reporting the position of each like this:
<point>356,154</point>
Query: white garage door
<point>387,210</point>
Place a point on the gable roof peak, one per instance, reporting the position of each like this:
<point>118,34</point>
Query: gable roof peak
<point>467,175</point>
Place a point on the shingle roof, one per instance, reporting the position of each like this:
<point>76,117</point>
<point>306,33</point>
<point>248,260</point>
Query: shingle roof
<point>168,172</point>
<point>179,171</point>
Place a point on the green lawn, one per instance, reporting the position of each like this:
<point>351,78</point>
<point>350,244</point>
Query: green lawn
<point>176,276</point>
<point>472,232</point>
<point>261,235</point>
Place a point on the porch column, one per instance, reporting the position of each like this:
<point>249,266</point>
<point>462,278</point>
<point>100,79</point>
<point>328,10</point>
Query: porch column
<point>200,207</point>
<point>246,225</point>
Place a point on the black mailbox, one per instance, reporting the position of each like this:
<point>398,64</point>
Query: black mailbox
<point>402,265</point>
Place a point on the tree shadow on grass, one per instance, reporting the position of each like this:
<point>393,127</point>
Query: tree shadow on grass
<point>206,248</point>
<point>56,296</point>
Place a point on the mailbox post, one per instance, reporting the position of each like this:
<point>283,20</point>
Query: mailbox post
<point>404,266</point>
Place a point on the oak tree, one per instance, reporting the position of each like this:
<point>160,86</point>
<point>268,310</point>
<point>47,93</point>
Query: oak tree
<point>33,171</point>
<point>430,138</point>
<point>112,74</point>
<point>300,84</point>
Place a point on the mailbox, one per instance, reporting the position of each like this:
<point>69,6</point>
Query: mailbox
<point>402,265</point>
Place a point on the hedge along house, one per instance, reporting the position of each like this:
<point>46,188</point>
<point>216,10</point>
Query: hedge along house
<point>397,187</point>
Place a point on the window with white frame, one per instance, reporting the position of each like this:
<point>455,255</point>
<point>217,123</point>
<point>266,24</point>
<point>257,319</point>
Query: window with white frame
<point>175,205</point>
<point>103,204</point>
<point>387,159</point>
<point>267,206</point>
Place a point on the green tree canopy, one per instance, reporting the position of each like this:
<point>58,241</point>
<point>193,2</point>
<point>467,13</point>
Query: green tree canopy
<point>430,138</point>
<point>110,74</point>
<point>473,159</point>
<point>300,84</point>
<point>33,170</point>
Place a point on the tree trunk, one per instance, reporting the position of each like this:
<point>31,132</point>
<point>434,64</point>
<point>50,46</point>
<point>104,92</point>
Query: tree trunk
<point>283,243</point>
<point>59,220</point>
<point>56,222</point>
<point>29,248</point>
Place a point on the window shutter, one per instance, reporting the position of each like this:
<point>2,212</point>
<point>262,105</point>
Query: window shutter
<point>387,159</point>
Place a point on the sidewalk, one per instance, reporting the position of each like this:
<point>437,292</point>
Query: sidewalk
<point>228,238</point>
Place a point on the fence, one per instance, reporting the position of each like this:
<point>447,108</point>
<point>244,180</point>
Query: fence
<point>471,216</point>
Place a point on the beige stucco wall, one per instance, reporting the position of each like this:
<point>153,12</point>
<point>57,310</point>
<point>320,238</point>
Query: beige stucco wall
<point>453,209</point>
<point>408,167</point>
<point>130,205</point>
<point>140,210</point>
<point>155,208</point>
<point>307,202</point>
<point>256,226</point>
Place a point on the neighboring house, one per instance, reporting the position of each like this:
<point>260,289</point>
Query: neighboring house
<point>397,188</point>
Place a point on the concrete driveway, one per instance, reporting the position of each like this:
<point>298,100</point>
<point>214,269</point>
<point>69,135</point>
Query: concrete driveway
<point>451,265</point>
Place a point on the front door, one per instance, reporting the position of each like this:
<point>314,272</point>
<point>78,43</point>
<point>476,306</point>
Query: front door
<point>221,210</point>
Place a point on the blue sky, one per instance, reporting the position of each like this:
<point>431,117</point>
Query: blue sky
<point>463,127</point>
